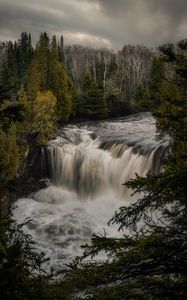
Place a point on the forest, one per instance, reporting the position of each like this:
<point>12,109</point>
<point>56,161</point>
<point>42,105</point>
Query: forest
<point>49,85</point>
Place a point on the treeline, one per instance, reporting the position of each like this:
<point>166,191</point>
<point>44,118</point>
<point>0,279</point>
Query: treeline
<point>50,83</point>
<point>117,76</point>
<point>34,94</point>
<point>97,83</point>
<point>36,70</point>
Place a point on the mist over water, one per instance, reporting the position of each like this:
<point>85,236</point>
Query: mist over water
<point>87,165</point>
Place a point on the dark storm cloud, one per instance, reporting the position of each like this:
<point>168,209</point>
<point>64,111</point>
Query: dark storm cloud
<point>97,22</point>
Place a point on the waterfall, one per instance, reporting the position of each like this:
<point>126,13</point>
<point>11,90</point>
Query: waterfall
<point>88,170</point>
<point>88,166</point>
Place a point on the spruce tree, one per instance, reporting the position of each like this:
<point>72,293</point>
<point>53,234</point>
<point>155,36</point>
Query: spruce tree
<point>47,72</point>
<point>149,261</point>
<point>93,102</point>
<point>157,76</point>
<point>24,55</point>
<point>10,81</point>
<point>61,48</point>
<point>142,98</point>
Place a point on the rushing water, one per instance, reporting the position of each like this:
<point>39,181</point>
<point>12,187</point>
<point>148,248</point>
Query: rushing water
<point>87,165</point>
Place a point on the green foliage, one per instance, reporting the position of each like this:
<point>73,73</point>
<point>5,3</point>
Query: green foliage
<point>39,116</point>
<point>47,72</point>
<point>60,87</point>
<point>149,261</point>
<point>44,117</point>
<point>13,147</point>
<point>93,102</point>
<point>24,55</point>
<point>114,101</point>
<point>142,98</point>
<point>35,93</point>
<point>15,65</point>
<point>9,77</point>
<point>9,154</point>
<point>157,76</point>
<point>171,116</point>
<point>21,273</point>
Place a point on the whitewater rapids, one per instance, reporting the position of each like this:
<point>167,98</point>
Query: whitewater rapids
<point>87,165</point>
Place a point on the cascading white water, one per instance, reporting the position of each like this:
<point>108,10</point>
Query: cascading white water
<point>88,170</point>
<point>88,165</point>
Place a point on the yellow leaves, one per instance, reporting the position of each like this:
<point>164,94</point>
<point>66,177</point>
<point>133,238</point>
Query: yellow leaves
<point>47,72</point>
<point>44,116</point>
<point>45,103</point>
<point>23,100</point>
<point>60,88</point>
<point>34,78</point>
<point>5,104</point>
<point>9,154</point>
<point>39,115</point>
<point>39,118</point>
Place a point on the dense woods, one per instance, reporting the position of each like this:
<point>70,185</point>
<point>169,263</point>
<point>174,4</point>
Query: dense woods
<point>119,74</point>
<point>52,83</point>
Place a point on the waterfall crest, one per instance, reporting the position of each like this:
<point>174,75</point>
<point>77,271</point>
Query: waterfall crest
<point>88,167</point>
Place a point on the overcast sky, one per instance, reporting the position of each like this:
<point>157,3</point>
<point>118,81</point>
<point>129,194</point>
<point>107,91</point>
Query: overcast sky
<point>109,23</point>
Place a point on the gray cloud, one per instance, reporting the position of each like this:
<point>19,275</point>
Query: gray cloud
<point>171,7</point>
<point>96,22</point>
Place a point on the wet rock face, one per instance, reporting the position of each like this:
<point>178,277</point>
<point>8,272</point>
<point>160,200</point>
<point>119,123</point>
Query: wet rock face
<point>30,174</point>
<point>27,181</point>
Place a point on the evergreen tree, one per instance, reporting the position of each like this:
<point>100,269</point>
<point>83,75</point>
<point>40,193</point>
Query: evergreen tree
<point>61,48</point>
<point>24,55</point>
<point>114,100</point>
<point>47,72</point>
<point>149,261</point>
<point>13,72</point>
<point>9,154</point>
<point>9,76</point>
<point>142,99</point>
<point>22,276</point>
<point>93,102</point>
<point>157,76</point>
<point>59,83</point>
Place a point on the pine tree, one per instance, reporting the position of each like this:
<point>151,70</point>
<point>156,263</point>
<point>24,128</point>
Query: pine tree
<point>61,48</point>
<point>47,72</point>
<point>93,102</point>
<point>142,99</point>
<point>149,261</point>
<point>10,81</point>
<point>59,83</point>
<point>157,76</point>
<point>24,55</point>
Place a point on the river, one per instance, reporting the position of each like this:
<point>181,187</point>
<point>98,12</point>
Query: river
<point>87,164</point>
